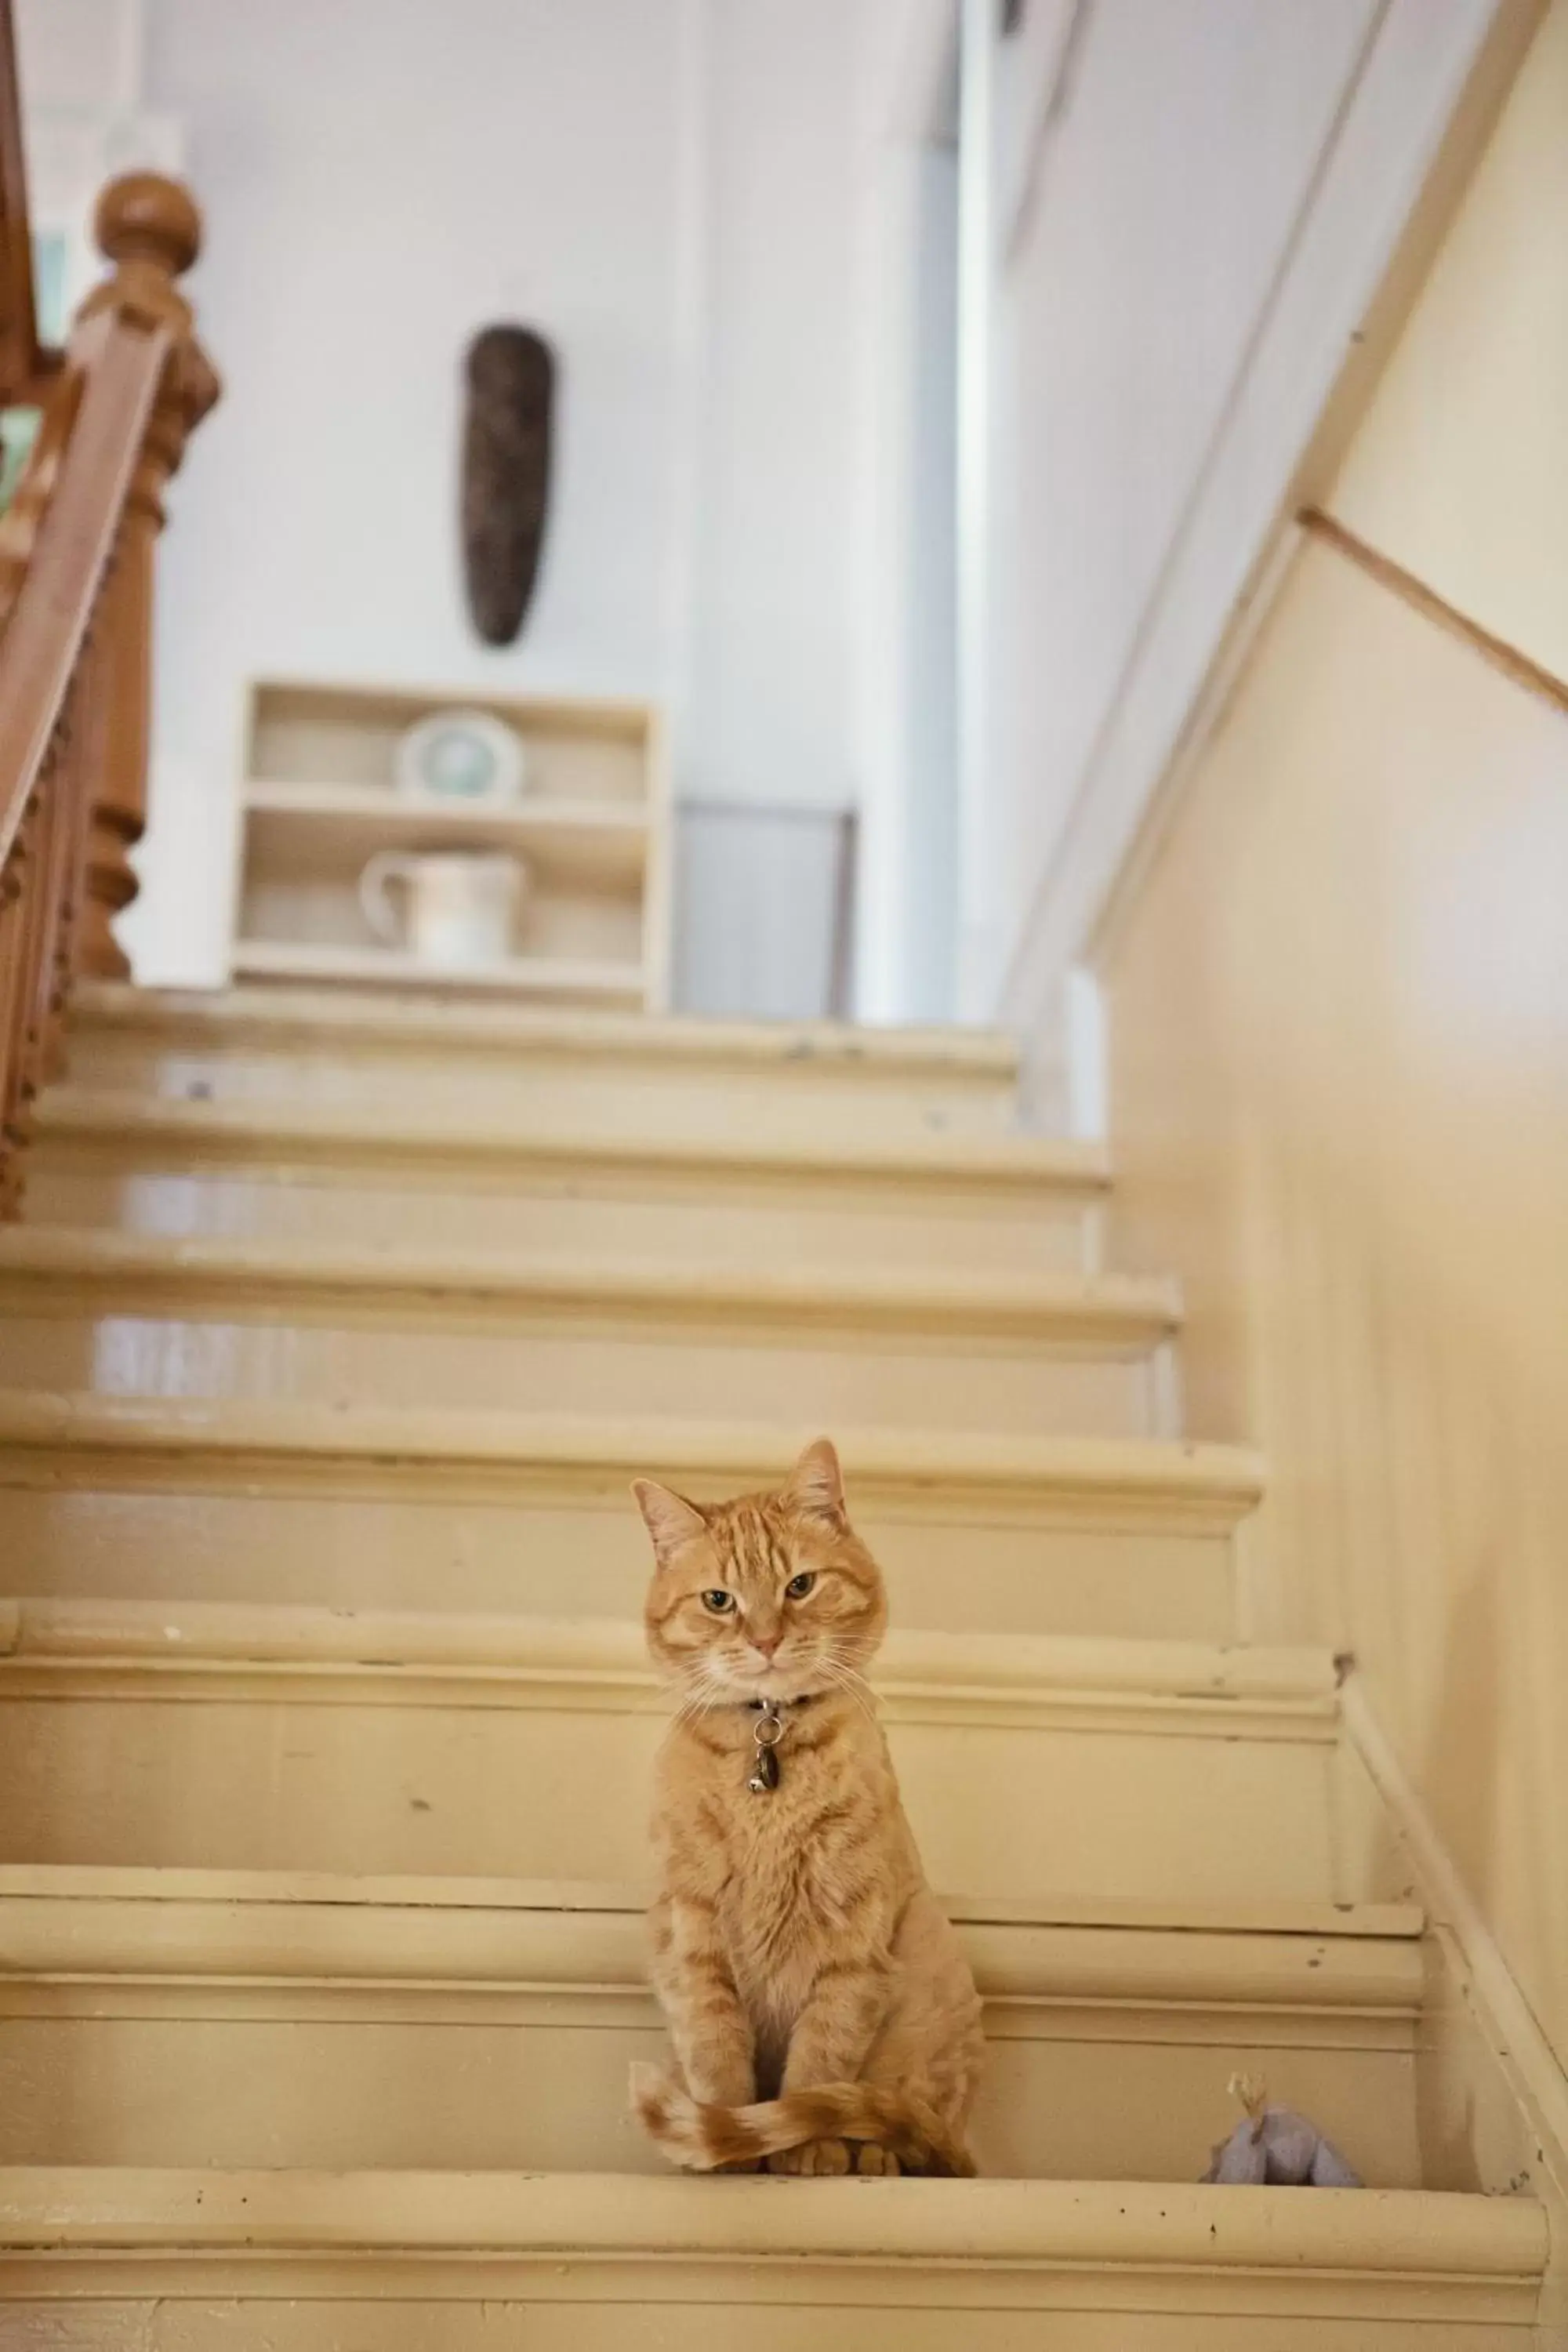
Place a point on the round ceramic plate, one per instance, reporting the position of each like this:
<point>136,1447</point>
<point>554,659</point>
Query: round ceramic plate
<point>460,755</point>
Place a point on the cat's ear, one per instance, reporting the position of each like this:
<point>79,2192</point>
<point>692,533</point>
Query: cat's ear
<point>816,1485</point>
<point>668,1517</point>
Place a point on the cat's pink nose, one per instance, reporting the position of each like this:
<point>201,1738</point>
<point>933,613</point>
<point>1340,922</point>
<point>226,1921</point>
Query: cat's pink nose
<point>768,1647</point>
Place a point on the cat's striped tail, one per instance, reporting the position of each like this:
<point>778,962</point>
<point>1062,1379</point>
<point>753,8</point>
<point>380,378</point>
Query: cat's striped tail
<point>704,2138</point>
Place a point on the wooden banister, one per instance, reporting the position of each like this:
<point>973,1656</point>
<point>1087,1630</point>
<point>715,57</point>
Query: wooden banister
<point>23,364</point>
<point>75,600</point>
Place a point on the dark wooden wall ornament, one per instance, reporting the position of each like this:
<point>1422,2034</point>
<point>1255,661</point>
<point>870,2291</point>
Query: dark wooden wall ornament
<point>506,475</point>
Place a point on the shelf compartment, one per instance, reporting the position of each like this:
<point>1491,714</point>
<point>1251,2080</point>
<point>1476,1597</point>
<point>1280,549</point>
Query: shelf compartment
<point>310,960</point>
<point>600,843</point>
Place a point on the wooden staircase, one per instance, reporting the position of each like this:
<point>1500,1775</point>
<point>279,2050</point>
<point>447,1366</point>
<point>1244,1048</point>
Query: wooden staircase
<point>333,1335</point>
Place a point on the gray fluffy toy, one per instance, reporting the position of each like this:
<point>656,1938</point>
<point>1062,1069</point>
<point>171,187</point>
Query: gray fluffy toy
<point>1275,2148</point>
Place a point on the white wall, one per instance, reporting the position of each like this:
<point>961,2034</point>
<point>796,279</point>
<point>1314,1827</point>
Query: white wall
<point>1164,193</point>
<point>770,661</point>
<point>380,178</point>
<point>667,188</point>
<point>83,121</point>
<point>784,556</point>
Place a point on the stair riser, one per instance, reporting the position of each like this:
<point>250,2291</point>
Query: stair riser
<point>620,1095</point>
<point>810,1220</point>
<point>752,1369</point>
<point>332,2093</point>
<point>555,1791</point>
<point>585,1556</point>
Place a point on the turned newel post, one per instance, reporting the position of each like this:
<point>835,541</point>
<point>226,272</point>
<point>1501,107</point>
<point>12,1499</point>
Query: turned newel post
<point>151,230</point>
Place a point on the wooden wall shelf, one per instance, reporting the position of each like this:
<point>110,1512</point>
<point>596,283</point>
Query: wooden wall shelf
<point>613,984</point>
<point>319,799</point>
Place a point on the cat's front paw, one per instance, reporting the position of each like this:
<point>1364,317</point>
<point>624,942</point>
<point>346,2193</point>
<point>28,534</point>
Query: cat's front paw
<point>815,2158</point>
<point>872,2162</point>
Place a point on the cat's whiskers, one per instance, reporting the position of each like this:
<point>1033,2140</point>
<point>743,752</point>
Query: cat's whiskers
<point>704,1694</point>
<point>847,1678</point>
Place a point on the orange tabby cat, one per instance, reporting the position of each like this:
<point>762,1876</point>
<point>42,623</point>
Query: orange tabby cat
<point>822,2012</point>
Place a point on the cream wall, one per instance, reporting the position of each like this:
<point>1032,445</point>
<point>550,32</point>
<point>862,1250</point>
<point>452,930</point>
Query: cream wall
<point>1460,471</point>
<point>1338,1008</point>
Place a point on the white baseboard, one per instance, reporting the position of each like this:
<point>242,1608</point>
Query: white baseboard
<point>1517,2044</point>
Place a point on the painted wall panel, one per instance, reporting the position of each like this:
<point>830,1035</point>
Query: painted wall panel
<point>1460,470</point>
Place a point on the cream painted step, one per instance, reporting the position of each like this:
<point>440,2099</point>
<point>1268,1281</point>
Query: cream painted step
<point>122,1314</point>
<point>614,1071</point>
<point>356,1174</point>
<point>389,2261</point>
<point>257,1737</point>
<point>118,1497</point>
<point>172,2018</point>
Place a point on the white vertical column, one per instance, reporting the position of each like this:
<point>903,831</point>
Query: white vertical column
<point>690,298</point>
<point>978,34</point>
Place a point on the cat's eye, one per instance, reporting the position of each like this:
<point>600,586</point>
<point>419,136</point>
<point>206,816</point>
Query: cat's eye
<point>720,1603</point>
<point>799,1586</point>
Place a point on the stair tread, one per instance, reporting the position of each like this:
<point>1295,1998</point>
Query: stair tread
<point>257,1127</point>
<point>1172,1472</point>
<point>608,1655</point>
<point>1117,1307</point>
<point>1153,2226</point>
<point>346,1016</point>
<point>87,1883</point>
<point>82,1942</point>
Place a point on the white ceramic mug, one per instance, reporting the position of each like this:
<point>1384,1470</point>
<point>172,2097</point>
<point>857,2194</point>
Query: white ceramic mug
<point>460,910</point>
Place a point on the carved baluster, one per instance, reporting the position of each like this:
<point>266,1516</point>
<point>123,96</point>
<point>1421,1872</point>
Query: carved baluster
<point>87,760</point>
<point>115,810</point>
<point>39,926</point>
<point>31,936</point>
<point>17,893</point>
<point>63,790</point>
<point>149,227</point>
<point>10,899</point>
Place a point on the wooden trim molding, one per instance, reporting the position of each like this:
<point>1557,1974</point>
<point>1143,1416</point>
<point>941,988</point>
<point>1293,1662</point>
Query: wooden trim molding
<point>1502,655</point>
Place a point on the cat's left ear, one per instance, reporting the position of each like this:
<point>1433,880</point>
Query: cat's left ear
<point>816,1485</point>
<point>670,1518</point>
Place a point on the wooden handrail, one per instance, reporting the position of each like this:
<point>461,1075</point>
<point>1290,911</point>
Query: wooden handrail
<point>76,601</point>
<point>70,553</point>
<point>23,362</point>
